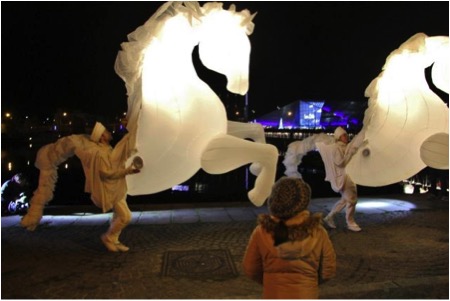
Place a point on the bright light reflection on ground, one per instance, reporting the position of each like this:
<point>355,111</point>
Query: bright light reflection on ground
<point>384,204</point>
<point>365,205</point>
<point>373,205</point>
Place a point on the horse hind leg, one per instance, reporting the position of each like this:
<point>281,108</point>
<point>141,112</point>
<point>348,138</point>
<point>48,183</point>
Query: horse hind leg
<point>227,153</point>
<point>253,131</point>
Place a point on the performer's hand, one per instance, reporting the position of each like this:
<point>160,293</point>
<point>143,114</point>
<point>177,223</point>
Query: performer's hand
<point>133,170</point>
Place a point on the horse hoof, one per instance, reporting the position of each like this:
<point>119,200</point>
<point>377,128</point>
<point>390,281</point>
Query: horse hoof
<point>255,168</point>
<point>256,197</point>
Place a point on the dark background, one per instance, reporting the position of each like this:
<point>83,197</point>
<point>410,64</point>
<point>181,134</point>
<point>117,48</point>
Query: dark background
<point>61,54</point>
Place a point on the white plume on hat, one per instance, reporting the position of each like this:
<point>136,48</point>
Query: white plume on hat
<point>338,132</point>
<point>97,132</point>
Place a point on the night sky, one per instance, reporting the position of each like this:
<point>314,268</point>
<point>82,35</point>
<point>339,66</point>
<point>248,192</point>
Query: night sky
<point>61,54</point>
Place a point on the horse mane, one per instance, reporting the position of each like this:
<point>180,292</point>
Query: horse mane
<point>244,15</point>
<point>129,60</point>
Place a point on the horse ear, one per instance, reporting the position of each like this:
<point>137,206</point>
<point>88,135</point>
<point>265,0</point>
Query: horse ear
<point>248,22</point>
<point>252,17</point>
<point>195,7</point>
<point>194,11</point>
<point>248,19</point>
<point>232,8</point>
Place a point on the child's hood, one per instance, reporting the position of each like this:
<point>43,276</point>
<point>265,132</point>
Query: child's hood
<point>302,230</point>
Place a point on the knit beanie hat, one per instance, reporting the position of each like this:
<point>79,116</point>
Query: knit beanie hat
<point>289,197</point>
<point>97,132</point>
<point>338,132</point>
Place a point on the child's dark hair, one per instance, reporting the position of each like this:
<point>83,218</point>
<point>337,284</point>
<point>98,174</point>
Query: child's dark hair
<point>280,233</point>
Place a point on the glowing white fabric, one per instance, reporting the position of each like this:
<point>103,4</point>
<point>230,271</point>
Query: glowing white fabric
<point>437,50</point>
<point>405,125</point>
<point>403,112</point>
<point>297,149</point>
<point>179,122</point>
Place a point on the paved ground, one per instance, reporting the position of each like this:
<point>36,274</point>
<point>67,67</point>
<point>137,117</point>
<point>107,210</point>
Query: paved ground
<point>402,252</point>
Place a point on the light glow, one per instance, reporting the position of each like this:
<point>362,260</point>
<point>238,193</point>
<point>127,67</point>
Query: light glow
<point>406,124</point>
<point>179,123</point>
<point>373,204</point>
<point>408,188</point>
<point>368,204</point>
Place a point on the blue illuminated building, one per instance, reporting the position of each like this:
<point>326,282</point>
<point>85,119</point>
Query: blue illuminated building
<point>316,115</point>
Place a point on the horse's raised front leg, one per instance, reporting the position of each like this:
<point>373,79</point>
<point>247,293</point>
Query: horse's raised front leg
<point>253,131</point>
<point>226,153</point>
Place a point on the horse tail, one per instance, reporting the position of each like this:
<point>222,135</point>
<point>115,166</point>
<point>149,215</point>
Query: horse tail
<point>297,149</point>
<point>48,158</point>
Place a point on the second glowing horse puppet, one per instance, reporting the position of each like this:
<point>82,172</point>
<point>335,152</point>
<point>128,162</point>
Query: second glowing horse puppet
<point>406,123</point>
<point>180,123</point>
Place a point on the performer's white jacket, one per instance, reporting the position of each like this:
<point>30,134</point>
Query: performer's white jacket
<point>335,159</point>
<point>105,173</point>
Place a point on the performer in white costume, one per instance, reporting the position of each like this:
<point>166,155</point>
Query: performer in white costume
<point>336,156</point>
<point>104,169</point>
<point>105,180</point>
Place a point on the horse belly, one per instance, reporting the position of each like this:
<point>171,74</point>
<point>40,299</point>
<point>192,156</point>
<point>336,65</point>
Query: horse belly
<point>171,138</point>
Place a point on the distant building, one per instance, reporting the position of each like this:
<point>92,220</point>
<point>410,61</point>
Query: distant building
<point>316,115</point>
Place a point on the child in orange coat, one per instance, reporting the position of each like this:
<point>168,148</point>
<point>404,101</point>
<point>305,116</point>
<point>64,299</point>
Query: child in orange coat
<point>289,252</point>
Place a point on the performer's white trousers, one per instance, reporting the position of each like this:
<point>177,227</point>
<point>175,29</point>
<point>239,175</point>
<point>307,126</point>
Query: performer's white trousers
<point>120,219</point>
<point>349,198</point>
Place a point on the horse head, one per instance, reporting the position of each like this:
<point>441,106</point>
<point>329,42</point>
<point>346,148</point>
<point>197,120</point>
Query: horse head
<point>224,45</point>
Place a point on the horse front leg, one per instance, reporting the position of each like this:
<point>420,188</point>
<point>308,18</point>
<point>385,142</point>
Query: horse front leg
<point>253,131</point>
<point>226,153</point>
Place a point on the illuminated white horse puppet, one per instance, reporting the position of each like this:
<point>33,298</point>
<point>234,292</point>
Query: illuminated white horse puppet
<point>176,123</point>
<point>180,123</point>
<point>405,125</point>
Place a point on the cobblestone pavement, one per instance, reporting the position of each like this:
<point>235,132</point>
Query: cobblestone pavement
<point>402,252</point>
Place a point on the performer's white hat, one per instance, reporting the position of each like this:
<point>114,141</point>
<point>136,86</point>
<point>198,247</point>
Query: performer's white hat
<point>97,132</point>
<point>338,132</point>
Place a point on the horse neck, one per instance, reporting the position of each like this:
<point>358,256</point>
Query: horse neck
<point>171,54</point>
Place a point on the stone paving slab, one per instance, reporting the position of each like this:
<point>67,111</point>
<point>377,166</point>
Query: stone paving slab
<point>403,288</point>
<point>402,253</point>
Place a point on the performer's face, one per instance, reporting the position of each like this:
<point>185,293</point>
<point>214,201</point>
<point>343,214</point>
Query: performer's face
<point>344,138</point>
<point>107,136</point>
